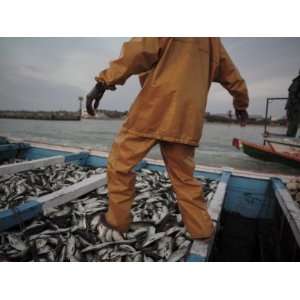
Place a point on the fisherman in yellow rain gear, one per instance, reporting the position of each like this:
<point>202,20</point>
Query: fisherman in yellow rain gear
<point>176,74</point>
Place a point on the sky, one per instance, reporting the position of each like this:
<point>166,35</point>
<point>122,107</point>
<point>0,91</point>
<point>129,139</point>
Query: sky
<point>51,73</point>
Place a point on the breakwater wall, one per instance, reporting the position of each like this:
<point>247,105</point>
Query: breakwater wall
<point>41,115</point>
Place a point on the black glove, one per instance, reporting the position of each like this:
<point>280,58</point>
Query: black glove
<point>242,116</point>
<point>94,96</point>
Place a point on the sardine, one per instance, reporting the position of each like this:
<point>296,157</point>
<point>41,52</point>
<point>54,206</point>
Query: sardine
<point>16,242</point>
<point>73,231</point>
<point>178,254</point>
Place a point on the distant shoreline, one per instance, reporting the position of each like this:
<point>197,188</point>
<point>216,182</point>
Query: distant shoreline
<point>42,115</point>
<point>121,119</point>
<point>119,115</point>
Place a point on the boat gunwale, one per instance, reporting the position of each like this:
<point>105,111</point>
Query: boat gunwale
<point>289,207</point>
<point>201,168</point>
<point>269,150</point>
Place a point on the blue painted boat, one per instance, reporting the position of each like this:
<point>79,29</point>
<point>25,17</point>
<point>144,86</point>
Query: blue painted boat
<point>256,218</point>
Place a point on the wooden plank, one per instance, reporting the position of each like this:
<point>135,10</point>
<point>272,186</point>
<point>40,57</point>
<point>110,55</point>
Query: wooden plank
<point>80,156</point>
<point>292,142</point>
<point>72,192</point>
<point>21,213</point>
<point>141,165</point>
<point>288,206</point>
<point>13,146</point>
<point>200,250</point>
<point>292,150</point>
<point>3,140</point>
<point>57,147</point>
<point>29,165</point>
<point>215,206</point>
<point>7,155</point>
<point>96,161</point>
<point>34,206</point>
<point>195,258</point>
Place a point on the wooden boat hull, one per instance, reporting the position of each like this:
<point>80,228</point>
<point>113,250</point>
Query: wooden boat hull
<point>250,198</point>
<point>266,153</point>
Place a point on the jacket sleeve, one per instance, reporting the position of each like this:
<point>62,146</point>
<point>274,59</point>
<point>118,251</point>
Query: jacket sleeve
<point>138,55</point>
<point>230,78</point>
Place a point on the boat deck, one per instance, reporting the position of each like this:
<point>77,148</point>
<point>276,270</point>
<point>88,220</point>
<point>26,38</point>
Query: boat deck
<point>251,196</point>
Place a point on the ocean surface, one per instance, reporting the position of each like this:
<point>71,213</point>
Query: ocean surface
<point>215,147</point>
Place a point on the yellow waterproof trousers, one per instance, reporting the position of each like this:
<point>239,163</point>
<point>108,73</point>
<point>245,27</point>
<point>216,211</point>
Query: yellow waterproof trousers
<point>127,151</point>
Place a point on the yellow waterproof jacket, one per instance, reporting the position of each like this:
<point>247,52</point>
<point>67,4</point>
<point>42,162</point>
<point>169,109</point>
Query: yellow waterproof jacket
<point>176,74</point>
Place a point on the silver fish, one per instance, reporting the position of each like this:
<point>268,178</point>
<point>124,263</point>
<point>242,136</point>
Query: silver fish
<point>40,243</point>
<point>73,231</point>
<point>153,238</point>
<point>178,254</point>
<point>70,250</point>
<point>16,242</point>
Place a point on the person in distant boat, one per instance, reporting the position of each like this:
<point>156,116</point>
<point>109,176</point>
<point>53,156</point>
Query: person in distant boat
<point>175,74</point>
<point>293,107</point>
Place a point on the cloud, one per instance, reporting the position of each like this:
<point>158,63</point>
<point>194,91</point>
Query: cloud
<point>50,73</point>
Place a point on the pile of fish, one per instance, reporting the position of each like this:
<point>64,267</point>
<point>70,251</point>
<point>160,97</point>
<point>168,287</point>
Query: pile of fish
<point>16,188</point>
<point>73,232</point>
<point>294,188</point>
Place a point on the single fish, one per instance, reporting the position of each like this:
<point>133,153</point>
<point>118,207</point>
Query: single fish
<point>16,242</point>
